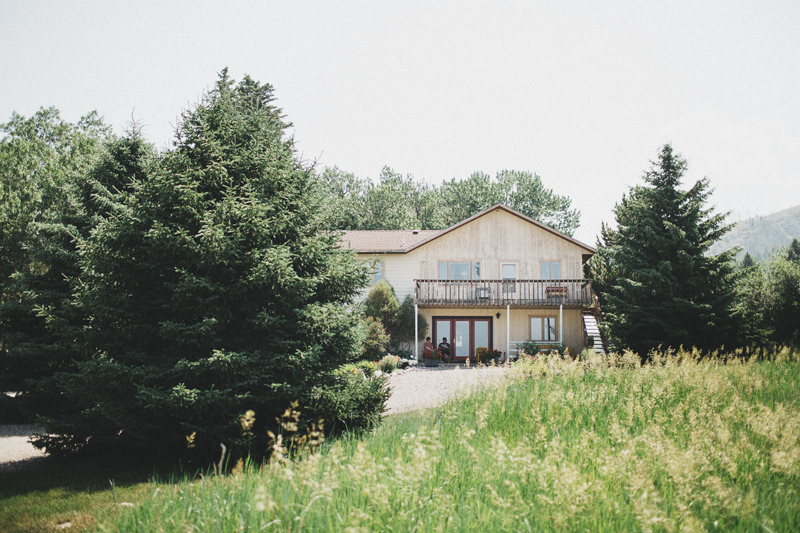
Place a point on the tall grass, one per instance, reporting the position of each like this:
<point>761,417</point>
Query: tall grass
<point>602,444</point>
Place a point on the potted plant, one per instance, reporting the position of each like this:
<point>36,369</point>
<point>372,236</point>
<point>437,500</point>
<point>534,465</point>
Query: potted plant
<point>491,355</point>
<point>431,357</point>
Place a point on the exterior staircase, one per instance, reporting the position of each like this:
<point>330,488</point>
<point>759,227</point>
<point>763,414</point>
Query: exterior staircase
<point>590,324</point>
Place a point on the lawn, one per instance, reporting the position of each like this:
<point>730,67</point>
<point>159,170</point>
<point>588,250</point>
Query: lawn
<point>602,444</point>
<point>50,492</point>
<point>595,445</point>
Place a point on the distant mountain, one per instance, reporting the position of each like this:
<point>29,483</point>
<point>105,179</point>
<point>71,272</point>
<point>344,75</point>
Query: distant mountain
<point>761,236</point>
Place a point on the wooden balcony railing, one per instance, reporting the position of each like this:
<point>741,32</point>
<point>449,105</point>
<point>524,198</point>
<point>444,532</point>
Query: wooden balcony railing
<point>517,293</point>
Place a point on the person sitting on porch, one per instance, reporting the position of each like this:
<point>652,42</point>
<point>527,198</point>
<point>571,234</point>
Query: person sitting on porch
<point>428,344</point>
<point>444,347</point>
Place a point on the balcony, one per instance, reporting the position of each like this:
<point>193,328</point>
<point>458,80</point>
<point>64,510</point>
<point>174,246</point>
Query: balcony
<point>497,293</point>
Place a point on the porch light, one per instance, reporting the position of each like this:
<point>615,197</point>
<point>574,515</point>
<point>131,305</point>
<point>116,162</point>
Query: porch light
<point>498,314</point>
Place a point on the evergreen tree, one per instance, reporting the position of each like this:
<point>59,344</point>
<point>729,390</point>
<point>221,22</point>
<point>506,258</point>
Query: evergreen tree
<point>654,280</point>
<point>215,289</point>
<point>43,328</point>
<point>748,261</point>
<point>793,251</point>
<point>382,304</point>
<point>405,322</point>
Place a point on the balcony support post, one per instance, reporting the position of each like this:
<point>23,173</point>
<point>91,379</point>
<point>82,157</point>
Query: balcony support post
<point>416,332</point>
<point>508,332</point>
<point>561,324</point>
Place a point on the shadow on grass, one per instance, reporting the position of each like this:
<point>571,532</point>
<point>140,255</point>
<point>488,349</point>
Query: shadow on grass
<point>46,492</point>
<point>88,473</point>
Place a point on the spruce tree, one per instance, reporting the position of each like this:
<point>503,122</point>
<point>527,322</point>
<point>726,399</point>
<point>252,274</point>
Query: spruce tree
<point>657,285</point>
<point>213,291</point>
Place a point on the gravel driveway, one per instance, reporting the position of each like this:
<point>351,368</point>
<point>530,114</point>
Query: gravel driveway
<point>413,389</point>
<point>420,387</point>
<point>15,450</point>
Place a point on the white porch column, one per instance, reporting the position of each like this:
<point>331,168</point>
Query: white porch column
<point>416,332</point>
<point>561,324</point>
<point>508,332</point>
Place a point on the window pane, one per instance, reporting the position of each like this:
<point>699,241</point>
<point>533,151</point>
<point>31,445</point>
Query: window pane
<point>536,329</point>
<point>442,331</point>
<point>550,329</point>
<point>443,270</point>
<point>476,270</point>
<point>461,341</point>
<point>545,270</point>
<point>481,335</point>
<point>459,270</point>
<point>555,270</point>
<point>378,274</point>
<point>509,271</point>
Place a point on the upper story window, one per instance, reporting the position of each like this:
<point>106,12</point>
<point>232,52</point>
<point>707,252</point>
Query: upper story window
<point>459,270</point>
<point>509,272</point>
<point>377,274</point>
<point>551,270</point>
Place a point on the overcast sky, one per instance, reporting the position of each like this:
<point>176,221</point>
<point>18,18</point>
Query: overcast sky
<point>582,93</point>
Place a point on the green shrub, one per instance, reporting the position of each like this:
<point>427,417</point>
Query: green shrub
<point>375,340</point>
<point>389,363</point>
<point>529,347</point>
<point>366,368</point>
<point>350,402</point>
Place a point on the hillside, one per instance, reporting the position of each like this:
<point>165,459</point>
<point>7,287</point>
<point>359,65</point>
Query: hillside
<point>761,236</point>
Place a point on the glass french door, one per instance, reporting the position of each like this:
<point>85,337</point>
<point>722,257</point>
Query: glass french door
<point>464,334</point>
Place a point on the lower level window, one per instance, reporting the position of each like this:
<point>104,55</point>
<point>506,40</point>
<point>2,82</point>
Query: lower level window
<point>544,329</point>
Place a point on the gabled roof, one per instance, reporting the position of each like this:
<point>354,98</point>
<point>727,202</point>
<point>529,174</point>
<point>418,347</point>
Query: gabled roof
<point>403,241</point>
<point>385,241</point>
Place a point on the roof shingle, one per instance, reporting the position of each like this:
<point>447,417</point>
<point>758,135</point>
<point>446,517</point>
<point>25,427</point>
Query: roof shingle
<point>384,240</point>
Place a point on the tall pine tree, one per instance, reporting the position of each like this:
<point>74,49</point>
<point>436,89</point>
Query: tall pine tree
<point>657,285</point>
<point>214,290</point>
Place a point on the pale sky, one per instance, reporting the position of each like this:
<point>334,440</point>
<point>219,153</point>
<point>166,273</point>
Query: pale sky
<point>582,93</point>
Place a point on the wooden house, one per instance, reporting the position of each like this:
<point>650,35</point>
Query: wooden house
<point>489,282</point>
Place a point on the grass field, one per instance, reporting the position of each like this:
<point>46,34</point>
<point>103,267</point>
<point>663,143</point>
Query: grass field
<point>594,445</point>
<point>50,493</point>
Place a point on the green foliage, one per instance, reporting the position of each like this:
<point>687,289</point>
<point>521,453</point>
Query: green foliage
<point>345,198</point>
<point>770,293</point>
<point>793,251</point>
<point>604,444</point>
<point>381,304</point>
<point>364,367</point>
<point>42,328</point>
<point>214,289</point>
<point>748,261</point>
<point>521,191</point>
<point>350,403</point>
<point>10,410</point>
<point>400,202</point>
<point>375,340</point>
<point>388,363</point>
<point>42,158</point>
<point>528,348</point>
<point>404,354</point>
<point>405,322</point>
<point>655,282</point>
